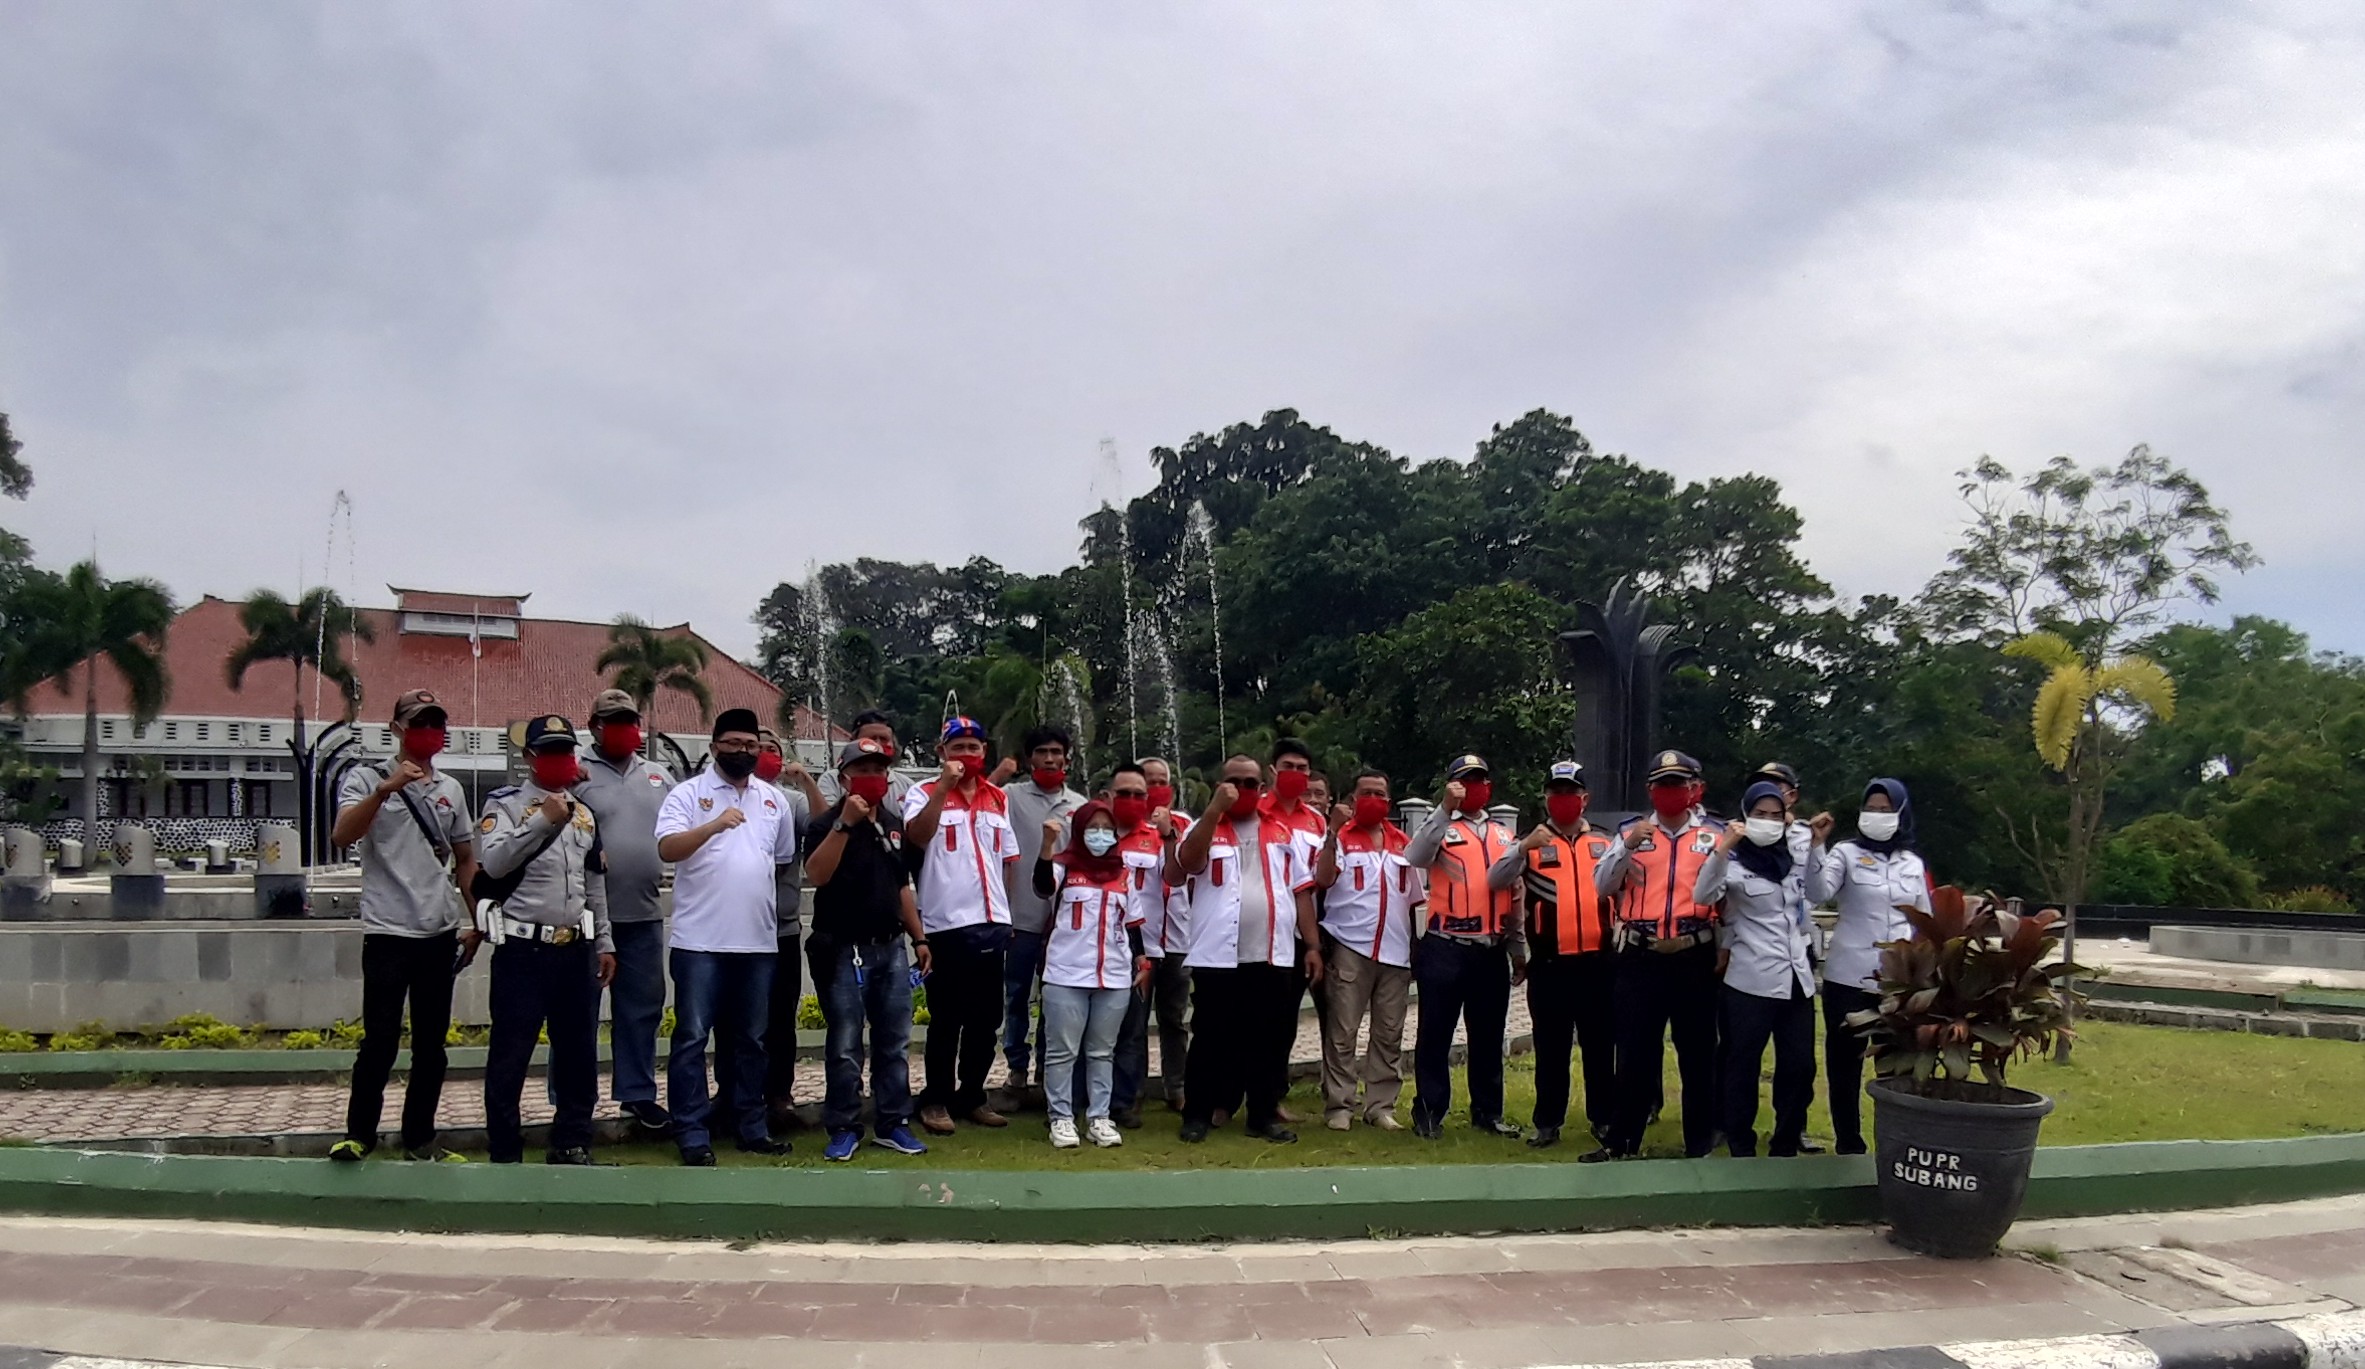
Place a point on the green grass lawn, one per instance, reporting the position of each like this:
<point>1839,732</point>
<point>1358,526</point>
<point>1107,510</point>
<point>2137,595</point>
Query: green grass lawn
<point>2124,1083</point>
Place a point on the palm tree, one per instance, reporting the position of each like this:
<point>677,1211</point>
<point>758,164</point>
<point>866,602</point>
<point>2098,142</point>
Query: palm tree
<point>645,660</point>
<point>2076,728</point>
<point>313,632</point>
<point>81,616</point>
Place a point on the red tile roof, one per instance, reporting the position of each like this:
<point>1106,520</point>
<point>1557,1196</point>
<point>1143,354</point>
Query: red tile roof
<point>433,601</point>
<point>547,667</point>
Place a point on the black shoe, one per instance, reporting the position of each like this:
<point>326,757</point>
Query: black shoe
<point>1428,1128</point>
<point>764,1145</point>
<point>1128,1118</point>
<point>572,1155</point>
<point>1653,1119</point>
<point>1498,1127</point>
<point>1544,1137</point>
<point>1600,1132</point>
<point>1274,1132</point>
<point>1595,1157</point>
<point>649,1117</point>
<point>1811,1148</point>
<point>1851,1147</point>
<point>1194,1132</point>
<point>698,1157</point>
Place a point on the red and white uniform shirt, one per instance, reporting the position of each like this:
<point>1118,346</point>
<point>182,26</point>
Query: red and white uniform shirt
<point>1306,827</point>
<point>960,877</point>
<point>1154,900</point>
<point>1085,946</point>
<point>1212,897</point>
<point>1370,907</point>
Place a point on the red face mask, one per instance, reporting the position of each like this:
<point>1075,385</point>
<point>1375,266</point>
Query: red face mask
<point>1476,795</point>
<point>1671,801</point>
<point>1245,805</point>
<point>423,743</point>
<point>1129,810</point>
<point>1371,809</point>
<point>1048,778</point>
<point>1567,810</point>
<point>869,788</point>
<point>768,765</point>
<point>1290,785</point>
<point>619,740</point>
<point>555,770</point>
<point>972,767</point>
<point>1161,796</point>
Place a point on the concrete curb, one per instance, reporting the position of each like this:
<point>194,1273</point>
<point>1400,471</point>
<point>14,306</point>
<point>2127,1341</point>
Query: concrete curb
<point>2330,1341</point>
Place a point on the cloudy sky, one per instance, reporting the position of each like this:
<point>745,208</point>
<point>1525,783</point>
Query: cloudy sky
<point>645,307</point>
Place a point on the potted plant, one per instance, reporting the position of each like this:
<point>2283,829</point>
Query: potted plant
<point>1968,993</point>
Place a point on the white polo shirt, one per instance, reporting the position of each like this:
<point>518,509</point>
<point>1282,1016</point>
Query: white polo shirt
<point>1213,896</point>
<point>1370,906</point>
<point>1146,887</point>
<point>1085,946</point>
<point>960,882</point>
<point>725,894</point>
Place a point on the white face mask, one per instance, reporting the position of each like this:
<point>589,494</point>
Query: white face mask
<point>1766,831</point>
<point>1877,826</point>
<point>1099,840</point>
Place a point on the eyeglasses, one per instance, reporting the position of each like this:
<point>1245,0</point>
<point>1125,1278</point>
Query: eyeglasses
<point>734,748</point>
<point>1247,782</point>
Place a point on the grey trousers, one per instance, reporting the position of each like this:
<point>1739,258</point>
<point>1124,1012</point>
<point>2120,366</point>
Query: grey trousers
<point>1359,985</point>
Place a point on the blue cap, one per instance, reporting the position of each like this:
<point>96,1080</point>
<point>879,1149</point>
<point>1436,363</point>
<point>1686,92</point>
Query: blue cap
<point>961,725</point>
<point>1673,765</point>
<point>551,733</point>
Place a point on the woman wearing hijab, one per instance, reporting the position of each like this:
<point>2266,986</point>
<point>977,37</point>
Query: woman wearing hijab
<point>1092,964</point>
<point>1769,983</point>
<point>1875,876</point>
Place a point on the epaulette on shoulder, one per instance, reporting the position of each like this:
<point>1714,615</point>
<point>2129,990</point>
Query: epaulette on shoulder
<point>506,791</point>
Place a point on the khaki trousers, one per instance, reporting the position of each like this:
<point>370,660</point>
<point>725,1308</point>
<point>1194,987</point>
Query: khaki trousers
<point>1357,985</point>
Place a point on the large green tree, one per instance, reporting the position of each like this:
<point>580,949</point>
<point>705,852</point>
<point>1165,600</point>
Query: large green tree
<point>311,633</point>
<point>640,660</point>
<point>76,620</point>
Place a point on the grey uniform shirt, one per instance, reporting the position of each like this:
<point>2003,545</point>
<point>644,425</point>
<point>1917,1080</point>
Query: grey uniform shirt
<point>1422,851</point>
<point>1029,806</point>
<point>406,886</point>
<point>1764,928</point>
<point>561,882</point>
<point>788,881</point>
<point>624,797</point>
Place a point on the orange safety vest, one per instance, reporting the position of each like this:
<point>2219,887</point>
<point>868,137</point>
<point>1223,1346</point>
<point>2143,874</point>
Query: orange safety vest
<point>1670,870</point>
<point>1460,903</point>
<point>1566,913</point>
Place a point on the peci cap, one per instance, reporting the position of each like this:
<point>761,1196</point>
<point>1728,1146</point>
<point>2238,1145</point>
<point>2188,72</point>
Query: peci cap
<point>614,703</point>
<point>550,733</point>
<point>1467,765</point>
<point>1777,772</point>
<point>961,725</point>
<point>1674,765</point>
<point>1567,772</point>
<point>418,706</point>
<point>738,720</point>
<point>864,749</point>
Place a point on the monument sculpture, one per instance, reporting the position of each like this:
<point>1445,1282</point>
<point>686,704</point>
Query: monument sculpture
<point>1617,667</point>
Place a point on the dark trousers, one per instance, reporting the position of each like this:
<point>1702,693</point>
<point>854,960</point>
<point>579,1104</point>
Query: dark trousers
<point>395,969</point>
<point>1843,1063</point>
<point>535,985</point>
<point>780,1033</point>
<point>726,995</point>
<point>964,1014</point>
<point>1022,982</point>
<point>1459,982</point>
<point>879,997</point>
<point>1657,996</point>
<point>1168,1004</point>
<point>1243,1022</point>
<point>636,1005</point>
<point>1569,1002</point>
<point>1749,1023</point>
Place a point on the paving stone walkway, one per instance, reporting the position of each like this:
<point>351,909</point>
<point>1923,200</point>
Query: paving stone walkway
<point>269,1298</point>
<point>293,1109</point>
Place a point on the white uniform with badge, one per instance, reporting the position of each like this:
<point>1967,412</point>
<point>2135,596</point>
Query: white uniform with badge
<point>1869,886</point>
<point>562,896</point>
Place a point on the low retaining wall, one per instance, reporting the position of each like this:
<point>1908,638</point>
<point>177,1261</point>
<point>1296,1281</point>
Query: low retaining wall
<point>2327,950</point>
<point>915,1202</point>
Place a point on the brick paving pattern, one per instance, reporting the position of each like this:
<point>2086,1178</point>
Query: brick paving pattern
<point>297,1109</point>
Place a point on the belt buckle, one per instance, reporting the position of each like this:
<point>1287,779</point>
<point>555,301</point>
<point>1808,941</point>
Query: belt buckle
<point>562,936</point>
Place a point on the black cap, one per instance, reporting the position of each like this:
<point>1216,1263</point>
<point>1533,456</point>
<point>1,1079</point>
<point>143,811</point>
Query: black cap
<point>1673,765</point>
<point>864,749</point>
<point>1467,765</point>
<point>550,733</point>
<point>738,720</point>
<point>1777,772</point>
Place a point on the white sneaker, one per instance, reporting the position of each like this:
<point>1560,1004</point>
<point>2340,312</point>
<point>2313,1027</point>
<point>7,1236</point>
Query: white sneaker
<point>1104,1133</point>
<point>1063,1133</point>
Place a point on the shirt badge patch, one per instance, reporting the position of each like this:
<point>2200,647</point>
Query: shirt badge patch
<point>656,781</point>
<point>486,825</point>
<point>705,805</point>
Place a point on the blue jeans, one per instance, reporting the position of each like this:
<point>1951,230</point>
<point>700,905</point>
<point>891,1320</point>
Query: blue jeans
<point>725,993</point>
<point>883,1000</point>
<point>1020,971</point>
<point>636,1005</point>
<point>1081,1018</point>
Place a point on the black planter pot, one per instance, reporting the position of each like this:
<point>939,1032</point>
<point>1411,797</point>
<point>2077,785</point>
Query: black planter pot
<point>1953,1174</point>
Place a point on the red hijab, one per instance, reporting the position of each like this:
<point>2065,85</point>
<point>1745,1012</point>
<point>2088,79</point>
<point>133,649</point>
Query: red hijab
<point>1077,860</point>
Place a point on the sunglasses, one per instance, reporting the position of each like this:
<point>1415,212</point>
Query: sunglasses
<point>1249,782</point>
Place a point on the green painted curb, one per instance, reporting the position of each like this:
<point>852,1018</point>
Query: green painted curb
<point>1049,1205</point>
<point>87,1069</point>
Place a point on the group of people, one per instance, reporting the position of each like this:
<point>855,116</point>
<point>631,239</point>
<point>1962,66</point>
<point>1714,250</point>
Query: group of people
<point>1062,926</point>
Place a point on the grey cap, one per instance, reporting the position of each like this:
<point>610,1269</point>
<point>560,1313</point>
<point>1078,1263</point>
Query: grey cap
<point>611,702</point>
